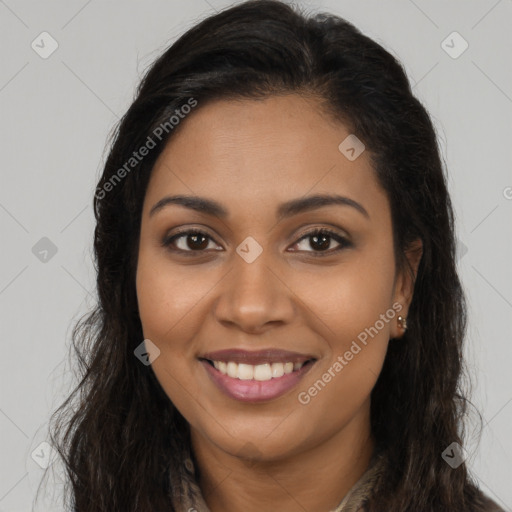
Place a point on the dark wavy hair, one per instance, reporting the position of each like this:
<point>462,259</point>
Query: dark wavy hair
<point>122,440</point>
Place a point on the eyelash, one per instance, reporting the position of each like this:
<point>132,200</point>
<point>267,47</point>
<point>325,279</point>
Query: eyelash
<point>168,241</point>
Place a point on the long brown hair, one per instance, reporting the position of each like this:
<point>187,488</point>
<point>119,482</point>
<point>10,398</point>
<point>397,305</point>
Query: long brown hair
<point>121,438</point>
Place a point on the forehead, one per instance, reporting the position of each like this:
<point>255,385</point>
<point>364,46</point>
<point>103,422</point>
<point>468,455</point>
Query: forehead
<point>248,153</point>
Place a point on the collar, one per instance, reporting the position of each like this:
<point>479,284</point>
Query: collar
<point>189,497</point>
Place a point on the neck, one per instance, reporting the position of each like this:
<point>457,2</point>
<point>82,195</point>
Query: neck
<point>316,478</point>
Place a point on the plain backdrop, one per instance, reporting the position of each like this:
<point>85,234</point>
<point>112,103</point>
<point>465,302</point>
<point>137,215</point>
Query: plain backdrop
<point>57,111</point>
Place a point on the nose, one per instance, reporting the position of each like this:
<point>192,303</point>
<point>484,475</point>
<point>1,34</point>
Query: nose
<point>254,297</point>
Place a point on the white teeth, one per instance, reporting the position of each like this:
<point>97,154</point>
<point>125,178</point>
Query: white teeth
<point>288,367</point>
<point>261,372</point>
<point>232,370</point>
<point>277,369</point>
<point>245,371</point>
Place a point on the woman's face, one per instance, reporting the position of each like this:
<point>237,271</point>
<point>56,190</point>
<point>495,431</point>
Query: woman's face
<point>254,288</point>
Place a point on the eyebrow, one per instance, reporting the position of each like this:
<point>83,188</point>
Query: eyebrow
<point>287,209</point>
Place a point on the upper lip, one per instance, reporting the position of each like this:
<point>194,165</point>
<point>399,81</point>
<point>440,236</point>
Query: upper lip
<point>257,356</point>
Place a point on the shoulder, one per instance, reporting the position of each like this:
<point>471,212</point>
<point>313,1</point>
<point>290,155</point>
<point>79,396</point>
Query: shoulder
<point>489,505</point>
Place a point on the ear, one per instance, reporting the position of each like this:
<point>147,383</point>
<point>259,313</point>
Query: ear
<point>404,285</point>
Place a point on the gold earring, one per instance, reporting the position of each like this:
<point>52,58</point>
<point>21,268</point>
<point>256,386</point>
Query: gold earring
<point>402,322</point>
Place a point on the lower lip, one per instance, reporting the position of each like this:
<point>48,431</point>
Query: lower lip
<point>255,390</point>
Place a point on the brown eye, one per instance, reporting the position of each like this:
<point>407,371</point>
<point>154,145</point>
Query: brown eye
<point>321,239</point>
<point>188,241</point>
<point>194,241</point>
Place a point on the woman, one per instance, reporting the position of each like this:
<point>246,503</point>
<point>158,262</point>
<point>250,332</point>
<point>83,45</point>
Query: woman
<point>281,322</point>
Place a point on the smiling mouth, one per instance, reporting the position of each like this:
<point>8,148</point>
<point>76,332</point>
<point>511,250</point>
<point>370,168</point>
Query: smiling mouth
<point>259,372</point>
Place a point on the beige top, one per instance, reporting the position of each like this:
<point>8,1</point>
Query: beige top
<point>190,498</point>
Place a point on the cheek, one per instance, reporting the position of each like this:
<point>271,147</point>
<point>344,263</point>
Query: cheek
<point>352,298</point>
<point>352,306</point>
<point>167,298</point>
<point>166,306</point>
<point>357,341</point>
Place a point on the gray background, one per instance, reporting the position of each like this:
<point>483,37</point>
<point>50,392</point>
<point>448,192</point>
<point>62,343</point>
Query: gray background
<point>58,111</point>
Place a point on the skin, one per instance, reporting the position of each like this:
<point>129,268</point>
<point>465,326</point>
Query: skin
<point>251,156</point>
